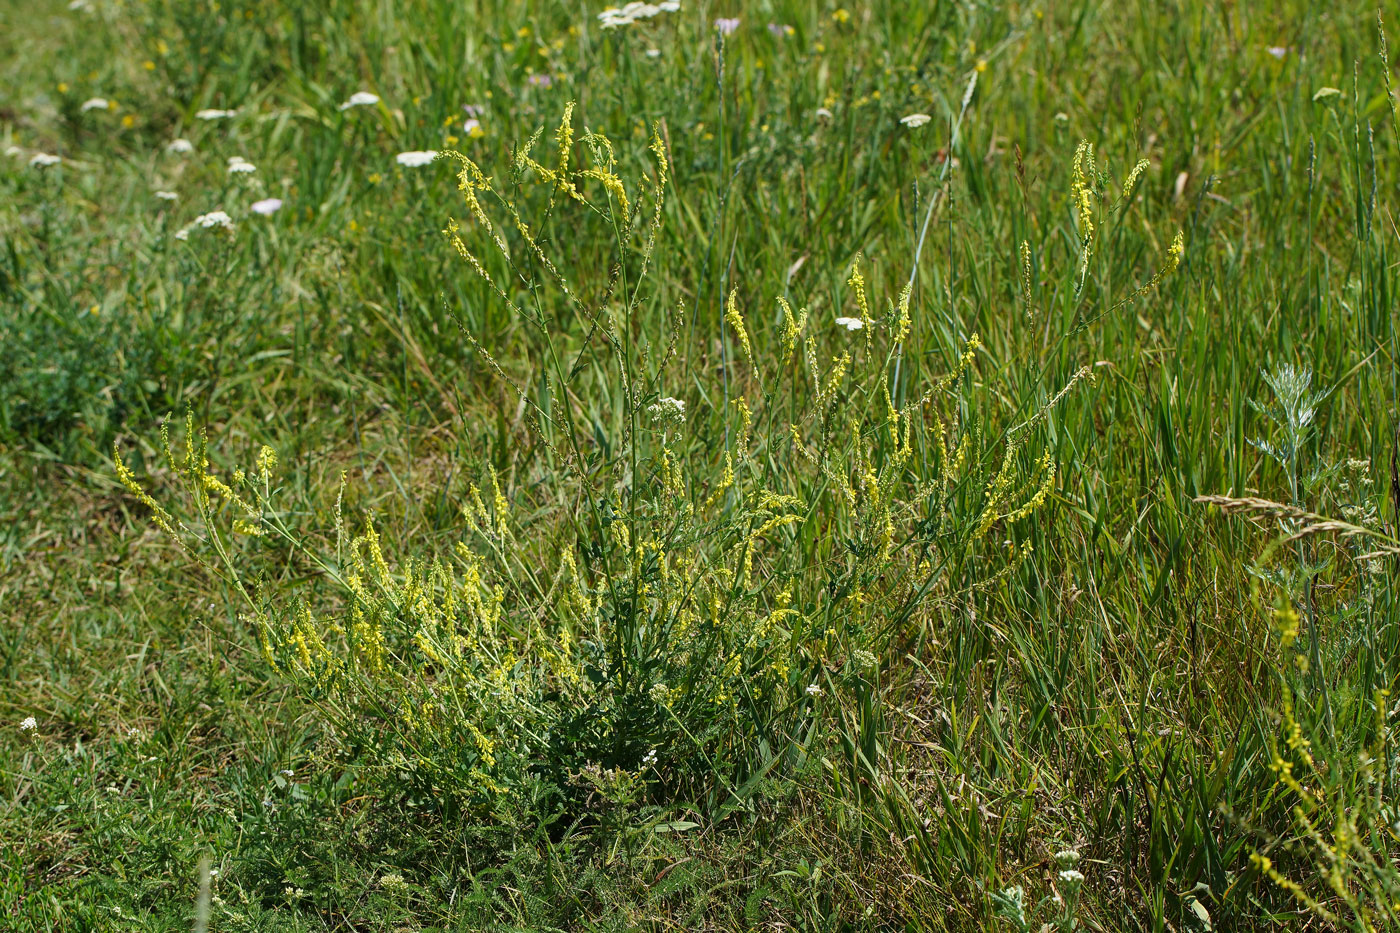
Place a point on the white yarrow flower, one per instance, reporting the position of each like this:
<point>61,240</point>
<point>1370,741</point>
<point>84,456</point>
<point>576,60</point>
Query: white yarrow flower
<point>360,99</point>
<point>850,323</point>
<point>814,690</point>
<point>167,196</point>
<point>915,120</point>
<point>416,158</point>
<point>28,724</point>
<point>94,103</point>
<point>240,166</point>
<point>215,114</point>
<point>179,146</point>
<point>214,219</point>
<point>616,17</point>
<point>44,160</point>
<point>266,206</point>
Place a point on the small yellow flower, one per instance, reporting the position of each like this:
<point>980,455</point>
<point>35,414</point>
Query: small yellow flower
<point>375,178</point>
<point>63,87</point>
<point>161,47</point>
<point>128,121</point>
<point>148,65</point>
<point>981,65</point>
<point>842,15</point>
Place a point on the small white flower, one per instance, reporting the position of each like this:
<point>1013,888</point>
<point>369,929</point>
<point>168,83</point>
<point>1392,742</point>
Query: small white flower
<point>416,158</point>
<point>823,113</point>
<point>167,196</point>
<point>286,772</point>
<point>653,53</point>
<point>238,165</point>
<point>667,409</point>
<point>79,5</point>
<point>915,120</point>
<point>180,146</point>
<point>214,219</point>
<point>28,724</point>
<point>1072,877</point>
<point>615,17</point>
<point>94,103</point>
<point>215,114</point>
<point>14,151</point>
<point>1277,51</point>
<point>360,99</point>
<point>649,758</point>
<point>266,206</point>
<point>44,160</point>
<point>183,233</point>
<point>814,690</point>
<point>850,323</point>
<point>472,127</point>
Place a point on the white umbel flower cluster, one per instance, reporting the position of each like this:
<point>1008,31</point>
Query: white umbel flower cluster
<point>617,17</point>
<point>416,158</point>
<point>360,99</point>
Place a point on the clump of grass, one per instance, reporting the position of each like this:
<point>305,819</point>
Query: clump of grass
<point>671,636</point>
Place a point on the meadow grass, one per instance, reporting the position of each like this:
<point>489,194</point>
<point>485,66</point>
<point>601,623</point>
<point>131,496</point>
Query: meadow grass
<point>700,497</point>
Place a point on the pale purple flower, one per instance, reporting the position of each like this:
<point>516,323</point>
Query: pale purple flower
<point>266,206</point>
<point>472,127</point>
<point>780,30</point>
<point>542,80</point>
<point>473,110</point>
<point>727,25</point>
<point>1277,51</point>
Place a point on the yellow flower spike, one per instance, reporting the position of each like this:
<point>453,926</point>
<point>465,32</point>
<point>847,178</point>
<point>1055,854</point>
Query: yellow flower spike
<point>1082,195</point>
<point>792,329</point>
<point>1133,177</point>
<point>736,321</point>
<point>857,284</point>
<point>1026,280</point>
<point>745,423</point>
<point>903,322</point>
<point>267,463</point>
<point>502,507</point>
